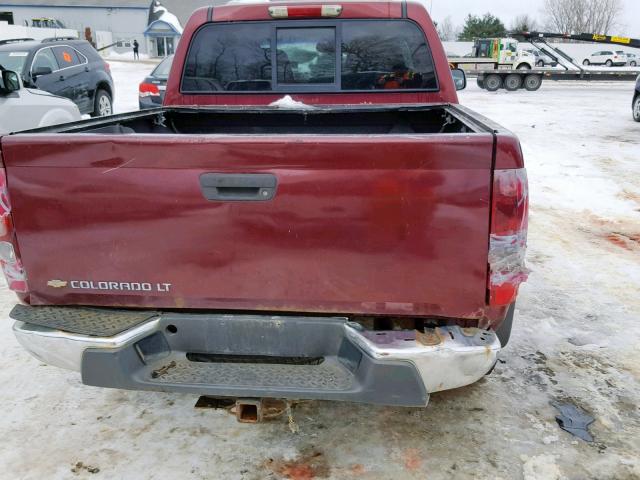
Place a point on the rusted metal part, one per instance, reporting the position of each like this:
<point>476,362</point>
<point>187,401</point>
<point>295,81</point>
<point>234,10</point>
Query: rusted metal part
<point>428,338</point>
<point>248,410</point>
<point>163,370</point>
<point>469,332</point>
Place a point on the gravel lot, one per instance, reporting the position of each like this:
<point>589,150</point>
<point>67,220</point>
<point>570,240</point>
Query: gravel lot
<point>576,339</point>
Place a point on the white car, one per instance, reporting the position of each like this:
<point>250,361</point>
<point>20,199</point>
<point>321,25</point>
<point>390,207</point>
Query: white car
<point>633,59</point>
<point>25,108</point>
<point>606,57</point>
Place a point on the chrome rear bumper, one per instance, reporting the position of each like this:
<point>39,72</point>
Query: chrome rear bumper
<point>389,367</point>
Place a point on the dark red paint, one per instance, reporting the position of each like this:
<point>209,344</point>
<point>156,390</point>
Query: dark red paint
<point>358,224</point>
<point>226,13</point>
<point>393,224</point>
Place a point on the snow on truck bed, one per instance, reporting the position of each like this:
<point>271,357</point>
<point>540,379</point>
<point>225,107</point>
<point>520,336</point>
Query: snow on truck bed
<point>576,338</point>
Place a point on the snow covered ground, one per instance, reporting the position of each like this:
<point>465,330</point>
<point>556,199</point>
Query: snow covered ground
<point>576,338</point>
<point>127,76</point>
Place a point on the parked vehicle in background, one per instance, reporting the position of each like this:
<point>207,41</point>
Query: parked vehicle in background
<point>608,58</point>
<point>47,23</point>
<point>623,56</point>
<point>310,215</point>
<point>68,68</point>
<point>541,59</point>
<point>22,108</point>
<point>151,90</point>
<point>636,101</point>
<point>632,59</point>
<point>505,52</point>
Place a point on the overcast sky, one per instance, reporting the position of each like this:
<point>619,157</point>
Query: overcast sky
<point>506,11</point>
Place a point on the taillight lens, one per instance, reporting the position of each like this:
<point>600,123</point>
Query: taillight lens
<point>508,240</point>
<point>149,90</point>
<point>9,260</point>
<point>107,67</point>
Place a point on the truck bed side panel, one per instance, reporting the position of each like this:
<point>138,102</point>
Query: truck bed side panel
<point>394,224</point>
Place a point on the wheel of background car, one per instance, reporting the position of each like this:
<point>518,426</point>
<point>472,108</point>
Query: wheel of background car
<point>540,63</point>
<point>480,83</point>
<point>633,63</point>
<point>103,104</point>
<point>532,82</point>
<point>636,109</point>
<point>586,62</point>
<point>493,82</point>
<point>513,82</point>
<point>609,63</point>
<point>524,66</point>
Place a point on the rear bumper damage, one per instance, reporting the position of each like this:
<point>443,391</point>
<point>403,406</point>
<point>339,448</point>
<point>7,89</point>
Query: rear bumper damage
<point>263,356</point>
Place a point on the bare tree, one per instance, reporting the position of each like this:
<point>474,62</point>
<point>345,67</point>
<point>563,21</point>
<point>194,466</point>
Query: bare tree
<point>583,16</point>
<point>524,23</point>
<point>447,30</point>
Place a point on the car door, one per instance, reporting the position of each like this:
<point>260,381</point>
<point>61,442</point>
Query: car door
<point>45,61</point>
<point>73,76</point>
<point>12,113</point>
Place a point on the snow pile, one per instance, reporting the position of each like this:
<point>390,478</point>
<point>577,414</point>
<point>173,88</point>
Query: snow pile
<point>172,20</point>
<point>287,102</point>
<point>160,13</point>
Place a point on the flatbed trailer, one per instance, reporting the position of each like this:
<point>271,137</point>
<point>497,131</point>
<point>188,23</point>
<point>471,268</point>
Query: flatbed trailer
<point>492,75</point>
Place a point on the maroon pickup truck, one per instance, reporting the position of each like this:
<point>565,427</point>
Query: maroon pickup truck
<point>310,215</point>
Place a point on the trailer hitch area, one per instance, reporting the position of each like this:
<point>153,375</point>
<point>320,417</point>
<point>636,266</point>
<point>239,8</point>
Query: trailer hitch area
<point>256,410</point>
<point>247,410</point>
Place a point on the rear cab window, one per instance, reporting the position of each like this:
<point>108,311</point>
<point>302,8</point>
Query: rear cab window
<point>324,56</point>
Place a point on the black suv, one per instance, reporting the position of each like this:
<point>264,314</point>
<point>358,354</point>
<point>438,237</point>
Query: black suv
<point>66,67</point>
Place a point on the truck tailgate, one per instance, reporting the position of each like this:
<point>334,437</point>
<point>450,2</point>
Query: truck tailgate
<point>394,224</point>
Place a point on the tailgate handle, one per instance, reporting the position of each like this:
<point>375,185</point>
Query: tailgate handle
<point>252,187</point>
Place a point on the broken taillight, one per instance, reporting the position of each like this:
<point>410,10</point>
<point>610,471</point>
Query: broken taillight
<point>305,11</point>
<point>148,90</point>
<point>508,239</point>
<point>9,260</point>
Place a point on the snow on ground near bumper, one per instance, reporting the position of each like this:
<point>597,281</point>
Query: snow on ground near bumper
<point>575,338</point>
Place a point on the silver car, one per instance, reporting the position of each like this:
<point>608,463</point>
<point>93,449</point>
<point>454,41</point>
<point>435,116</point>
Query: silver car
<point>24,108</point>
<point>542,59</point>
<point>633,60</point>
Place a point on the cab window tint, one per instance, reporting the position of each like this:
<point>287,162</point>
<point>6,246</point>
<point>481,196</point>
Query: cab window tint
<point>44,59</point>
<point>371,54</point>
<point>66,56</point>
<point>306,55</point>
<point>229,58</point>
<point>387,55</point>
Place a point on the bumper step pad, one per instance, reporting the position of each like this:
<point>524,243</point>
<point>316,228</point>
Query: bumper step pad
<point>330,375</point>
<point>96,322</point>
<point>255,356</point>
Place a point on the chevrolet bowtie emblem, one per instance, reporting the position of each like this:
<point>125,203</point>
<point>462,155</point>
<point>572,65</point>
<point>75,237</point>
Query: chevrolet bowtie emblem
<point>57,283</point>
